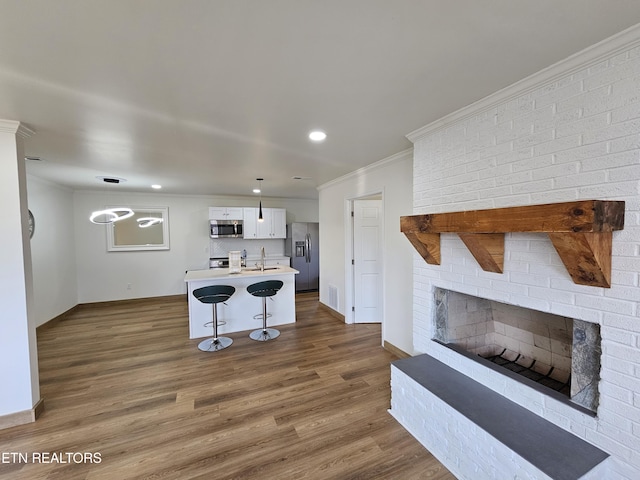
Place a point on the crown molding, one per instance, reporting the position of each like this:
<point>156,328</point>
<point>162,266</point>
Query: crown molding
<point>16,128</point>
<point>403,155</point>
<point>227,200</point>
<point>609,47</point>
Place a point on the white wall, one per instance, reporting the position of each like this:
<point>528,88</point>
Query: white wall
<point>571,132</point>
<point>105,276</point>
<point>18,349</point>
<point>53,251</point>
<point>392,177</point>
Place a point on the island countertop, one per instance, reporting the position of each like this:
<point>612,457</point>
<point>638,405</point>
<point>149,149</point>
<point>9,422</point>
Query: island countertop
<point>222,273</point>
<point>239,312</point>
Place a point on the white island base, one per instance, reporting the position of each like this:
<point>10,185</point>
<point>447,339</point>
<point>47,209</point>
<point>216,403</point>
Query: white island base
<point>240,309</point>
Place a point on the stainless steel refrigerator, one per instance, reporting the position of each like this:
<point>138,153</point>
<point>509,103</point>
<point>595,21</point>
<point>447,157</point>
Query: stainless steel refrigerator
<point>302,247</point>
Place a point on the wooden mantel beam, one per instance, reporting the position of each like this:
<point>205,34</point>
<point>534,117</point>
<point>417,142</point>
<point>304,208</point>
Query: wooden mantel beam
<point>573,217</point>
<point>580,231</point>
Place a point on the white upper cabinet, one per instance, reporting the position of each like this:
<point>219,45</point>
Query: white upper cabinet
<point>226,213</point>
<point>274,224</point>
<point>278,223</point>
<point>250,222</point>
<point>264,227</point>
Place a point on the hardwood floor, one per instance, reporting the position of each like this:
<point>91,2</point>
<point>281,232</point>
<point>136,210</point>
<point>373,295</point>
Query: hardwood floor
<point>124,385</point>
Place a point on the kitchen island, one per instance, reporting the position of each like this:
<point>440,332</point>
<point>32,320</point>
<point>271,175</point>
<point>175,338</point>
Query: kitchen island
<point>240,309</point>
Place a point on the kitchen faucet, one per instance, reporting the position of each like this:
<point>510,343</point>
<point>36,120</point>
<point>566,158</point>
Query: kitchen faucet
<point>262,259</point>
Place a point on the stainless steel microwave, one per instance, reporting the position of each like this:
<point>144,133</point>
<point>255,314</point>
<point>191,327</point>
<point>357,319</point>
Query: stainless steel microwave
<point>225,228</point>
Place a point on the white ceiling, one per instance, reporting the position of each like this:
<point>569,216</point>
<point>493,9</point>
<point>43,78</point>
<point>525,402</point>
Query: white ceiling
<point>203,96</point>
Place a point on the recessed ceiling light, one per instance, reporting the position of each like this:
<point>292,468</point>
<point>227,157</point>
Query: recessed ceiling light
<point>317,136</point>
<point>256,190</point>
<point>156,186</point>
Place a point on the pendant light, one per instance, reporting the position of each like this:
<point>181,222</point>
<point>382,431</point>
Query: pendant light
<point>260,217</point>
<point>110,215</point>
<point>146,222</point>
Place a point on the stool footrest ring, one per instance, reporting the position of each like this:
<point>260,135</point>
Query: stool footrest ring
<point>210,324</point>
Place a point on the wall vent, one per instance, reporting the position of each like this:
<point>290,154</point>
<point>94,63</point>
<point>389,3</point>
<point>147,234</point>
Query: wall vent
<point>333,297</point>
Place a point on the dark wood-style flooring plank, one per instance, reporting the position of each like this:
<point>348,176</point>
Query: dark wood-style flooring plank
<point>123,380</point>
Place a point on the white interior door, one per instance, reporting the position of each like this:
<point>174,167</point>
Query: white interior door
<point>367,261</point>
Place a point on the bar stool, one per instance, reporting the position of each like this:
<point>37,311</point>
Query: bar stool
<point>214,294</point>
<point>264,289</point>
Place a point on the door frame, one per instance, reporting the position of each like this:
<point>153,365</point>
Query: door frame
<point>349,283</point>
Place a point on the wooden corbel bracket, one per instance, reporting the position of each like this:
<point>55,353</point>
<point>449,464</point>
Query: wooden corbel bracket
<point>487,249</point>
<point>580,231</point>
<point>427,245</point>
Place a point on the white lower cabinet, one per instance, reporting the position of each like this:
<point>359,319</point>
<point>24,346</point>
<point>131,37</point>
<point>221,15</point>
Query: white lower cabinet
<point>274,262</point>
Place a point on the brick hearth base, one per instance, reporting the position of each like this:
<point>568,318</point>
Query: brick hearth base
<point>477,433</point>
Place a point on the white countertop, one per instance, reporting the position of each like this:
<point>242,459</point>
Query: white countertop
<point>220,273</point>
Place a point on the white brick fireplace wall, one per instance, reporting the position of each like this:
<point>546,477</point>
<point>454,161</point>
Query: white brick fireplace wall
<point>569,132</point>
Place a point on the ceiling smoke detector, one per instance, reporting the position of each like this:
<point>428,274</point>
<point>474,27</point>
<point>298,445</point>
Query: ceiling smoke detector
<point>111,179</point>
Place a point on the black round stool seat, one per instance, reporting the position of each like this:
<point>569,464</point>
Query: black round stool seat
<point>268,288</point>
<point>265,289</point>
<point>214,294</point>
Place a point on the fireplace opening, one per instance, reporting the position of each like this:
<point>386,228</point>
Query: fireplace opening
<point>558,353</point>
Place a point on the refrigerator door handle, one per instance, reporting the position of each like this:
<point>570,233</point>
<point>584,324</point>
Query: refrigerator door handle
<point>308,248</point>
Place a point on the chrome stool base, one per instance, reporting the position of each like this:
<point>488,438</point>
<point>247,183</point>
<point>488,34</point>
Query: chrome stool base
<point>264,335</point>
<point>215,344</point>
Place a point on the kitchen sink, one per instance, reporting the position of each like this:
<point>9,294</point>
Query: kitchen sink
<point>258,269</point>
